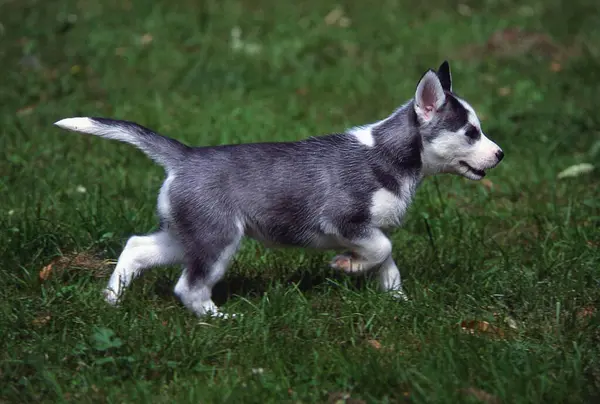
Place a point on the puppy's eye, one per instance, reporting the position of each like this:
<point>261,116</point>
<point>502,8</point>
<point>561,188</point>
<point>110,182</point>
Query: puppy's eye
<point>473,133</point>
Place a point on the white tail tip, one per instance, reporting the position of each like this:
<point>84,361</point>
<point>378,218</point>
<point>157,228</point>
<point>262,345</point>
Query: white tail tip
<point>76,124</point>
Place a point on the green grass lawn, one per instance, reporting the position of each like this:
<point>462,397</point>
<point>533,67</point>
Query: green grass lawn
<point>503,275</point>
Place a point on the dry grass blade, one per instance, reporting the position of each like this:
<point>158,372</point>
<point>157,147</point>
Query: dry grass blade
<point>576,170</point>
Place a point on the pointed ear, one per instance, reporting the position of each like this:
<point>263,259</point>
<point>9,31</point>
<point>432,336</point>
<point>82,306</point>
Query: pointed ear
<point>445,76</point>
<point>429,96</point>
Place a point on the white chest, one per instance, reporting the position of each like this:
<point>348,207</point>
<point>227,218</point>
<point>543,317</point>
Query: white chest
<point>388,209</point>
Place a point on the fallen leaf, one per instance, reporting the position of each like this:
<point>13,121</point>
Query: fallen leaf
<point>86,260</point>
<point>504,91</point>
<point>481,395</point>
<point>555,67</point>
<point>374,343</point>
<point>344,22</point>
<point>46,271</point>
<point>26,110</point>
<point>586,312</point>
<point>474,326</point>
<point>337,17</point>
<point>333,16</point>
<point>488,78</point>
<point>576,170</point>
<point>487,183</point>
<point>146,39</point>
<point>41,320</point>
<point>464,10</point>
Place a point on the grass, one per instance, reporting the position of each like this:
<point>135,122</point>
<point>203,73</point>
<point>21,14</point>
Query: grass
<point>514,259</point>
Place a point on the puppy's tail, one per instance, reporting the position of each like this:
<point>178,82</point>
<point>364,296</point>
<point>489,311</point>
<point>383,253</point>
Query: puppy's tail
<point>165,151</point>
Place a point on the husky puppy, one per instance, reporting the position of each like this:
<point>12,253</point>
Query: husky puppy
<point>338,192</point>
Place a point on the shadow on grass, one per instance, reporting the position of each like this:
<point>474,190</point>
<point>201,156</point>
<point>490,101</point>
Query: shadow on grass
<point>305,280</point>
<point>249,286</point>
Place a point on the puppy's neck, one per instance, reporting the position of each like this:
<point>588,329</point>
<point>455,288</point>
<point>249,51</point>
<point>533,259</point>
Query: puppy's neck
<point>397,138</point>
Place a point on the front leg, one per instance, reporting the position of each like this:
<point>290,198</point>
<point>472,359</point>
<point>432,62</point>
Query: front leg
<point>366,252</point>
<point>390,280</point>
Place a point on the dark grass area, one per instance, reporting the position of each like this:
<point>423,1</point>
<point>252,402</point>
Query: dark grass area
<point>517,254</point>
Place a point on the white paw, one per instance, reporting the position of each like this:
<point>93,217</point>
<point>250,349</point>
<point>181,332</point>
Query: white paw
<point>111,297</point>
<point>224,316</point>
<point>399,295</point>
<point>208,309</point>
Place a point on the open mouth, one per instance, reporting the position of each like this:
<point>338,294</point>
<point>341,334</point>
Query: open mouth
<point>479,173</point>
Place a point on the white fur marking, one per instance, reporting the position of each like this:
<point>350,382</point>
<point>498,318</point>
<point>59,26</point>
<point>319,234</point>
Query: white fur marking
<point>196,298</point>
<point>484,154</point>
<point>164,204</point>
<point>472,116</point>
<point>87,125</point>
<point>448,149</point>
<point>364,134</point>
<point>443,152</point>
<point>76,124</point>
<point>387,208</point>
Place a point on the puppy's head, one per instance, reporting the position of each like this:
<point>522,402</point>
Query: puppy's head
<point>453,141</point>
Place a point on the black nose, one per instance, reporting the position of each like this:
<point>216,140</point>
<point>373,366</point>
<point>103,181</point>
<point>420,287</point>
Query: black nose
<point>500,155</point>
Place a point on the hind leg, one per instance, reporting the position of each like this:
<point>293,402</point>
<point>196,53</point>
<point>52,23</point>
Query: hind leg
<point>140,253</point>
<point>207,261</point>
